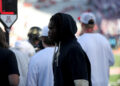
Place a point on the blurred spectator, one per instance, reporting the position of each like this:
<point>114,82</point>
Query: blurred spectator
<point>23,61</point>
<point>112,41</point>
<point>25,47</point>
<point>40,68</point>
<point>34,38</point>
<point>98,50</point>
<point>9,74</point>
<point>108,8</point>
<point>23,51</point>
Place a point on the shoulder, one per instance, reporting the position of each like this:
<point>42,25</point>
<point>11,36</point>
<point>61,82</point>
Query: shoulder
<point>76,49</point>
<point>23,44</point>
<point>45,51</point>
<point>84,37</point>
<point>103,38</point>
<point>7,52</point>
<point>39,57</point>
<point>100,36</point>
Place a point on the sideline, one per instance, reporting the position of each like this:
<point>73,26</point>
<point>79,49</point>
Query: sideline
<point>115,71</point>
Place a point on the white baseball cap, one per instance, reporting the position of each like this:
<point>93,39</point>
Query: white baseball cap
<point>45,31</point>
<point>86,17</point>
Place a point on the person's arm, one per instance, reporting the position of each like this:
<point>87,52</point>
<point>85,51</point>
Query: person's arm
<point>13,73</point>
<point>78,67</point>
<point>111,59</point>
<point>110,56</point>
<point>13,79</point>
<point>81,82</point>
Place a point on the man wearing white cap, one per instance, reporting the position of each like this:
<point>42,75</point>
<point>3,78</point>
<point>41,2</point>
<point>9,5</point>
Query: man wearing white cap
<point>98,50</point>
<point>40,71</point>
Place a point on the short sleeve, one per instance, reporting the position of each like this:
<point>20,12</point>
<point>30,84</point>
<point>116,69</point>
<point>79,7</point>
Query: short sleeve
<point>12,64</point>
<point>78,64</point>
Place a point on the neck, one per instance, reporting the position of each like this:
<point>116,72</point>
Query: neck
<point>90,30</point>
<point>45,45</point>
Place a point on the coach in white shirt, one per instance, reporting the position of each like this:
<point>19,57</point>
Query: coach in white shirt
<point>40,71</point>
<point>98,50</point>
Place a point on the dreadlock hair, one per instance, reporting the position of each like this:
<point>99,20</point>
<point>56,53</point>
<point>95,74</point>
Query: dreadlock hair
<point>57,20</point>
<point>3,42</point>
<point>65,25</point>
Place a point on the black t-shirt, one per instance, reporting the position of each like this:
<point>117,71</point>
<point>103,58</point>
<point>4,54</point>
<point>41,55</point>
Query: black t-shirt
<point>8,66</point>
<point>72,64</point>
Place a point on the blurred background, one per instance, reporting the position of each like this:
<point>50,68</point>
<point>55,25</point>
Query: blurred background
<point>38,12</point>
